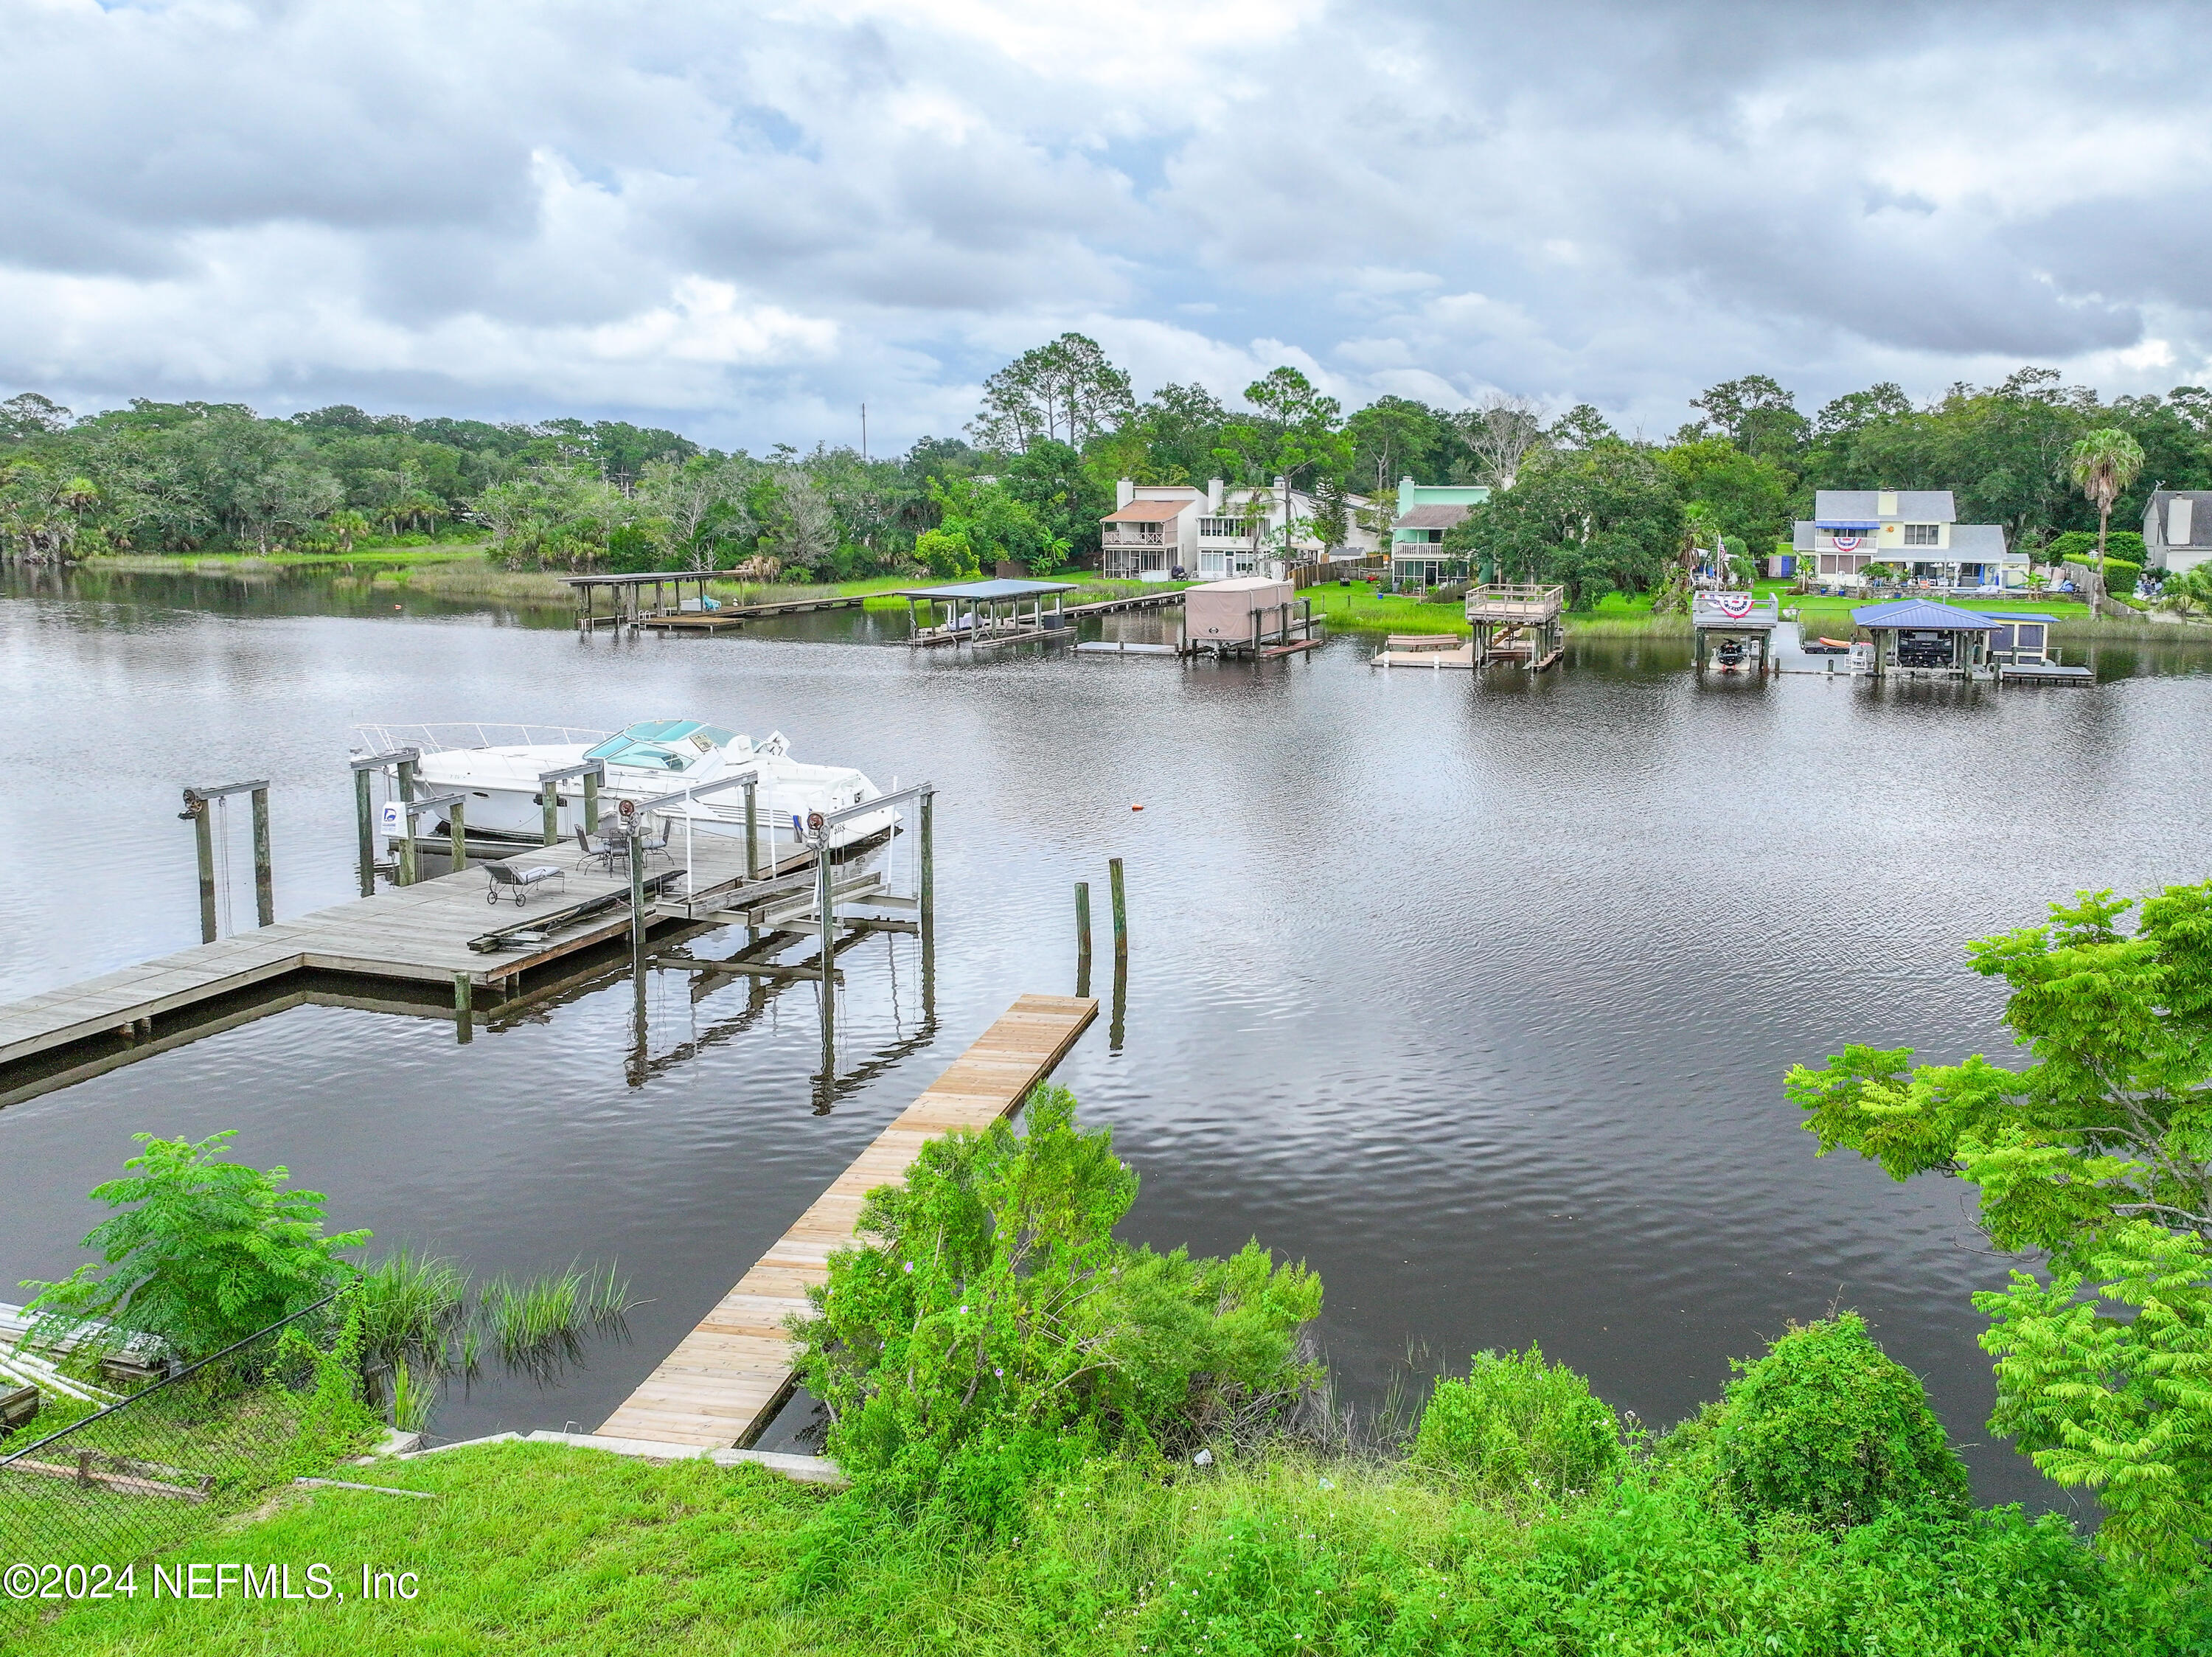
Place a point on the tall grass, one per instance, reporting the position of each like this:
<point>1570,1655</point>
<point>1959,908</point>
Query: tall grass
<point>424,1321</point>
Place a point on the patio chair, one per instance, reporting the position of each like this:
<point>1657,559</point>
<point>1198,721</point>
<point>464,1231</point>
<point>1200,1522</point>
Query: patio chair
<point>506,879</point>
<point>603,854</point>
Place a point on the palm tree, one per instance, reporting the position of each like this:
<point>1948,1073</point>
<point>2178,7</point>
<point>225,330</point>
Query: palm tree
<point>2103,463</point>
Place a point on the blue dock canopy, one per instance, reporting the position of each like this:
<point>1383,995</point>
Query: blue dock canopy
<point>1923,615</point>
<point>987,590</point>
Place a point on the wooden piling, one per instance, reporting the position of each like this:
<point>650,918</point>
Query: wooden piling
<point>364,811</point>
<point>1083,933</point>
<point>204,844</point>
<point>463,1000</point>
<point>1120,913</point>
<point>928,893</point>
<point>265,880</point>
<point>637,907</point>
<point>407,823</point>
<point>753,826</point>
<point>591,802</point>
<point>549,796</point>
<point>458,835</point>
<point>825,899</point>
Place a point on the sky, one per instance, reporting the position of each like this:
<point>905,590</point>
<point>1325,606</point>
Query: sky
<point>744,221</point>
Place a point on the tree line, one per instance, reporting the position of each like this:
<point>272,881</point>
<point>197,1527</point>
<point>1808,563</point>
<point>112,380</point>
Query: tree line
<point>1576,501</point>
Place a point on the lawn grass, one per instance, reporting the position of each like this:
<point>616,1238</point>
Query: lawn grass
<point>545,1549</point>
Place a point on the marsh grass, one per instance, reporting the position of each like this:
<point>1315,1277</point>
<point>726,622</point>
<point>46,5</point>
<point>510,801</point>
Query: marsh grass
<point>424,1321</point>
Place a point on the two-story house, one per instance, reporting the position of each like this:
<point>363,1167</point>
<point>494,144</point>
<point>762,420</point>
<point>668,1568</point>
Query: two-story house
<point>2176,529</point>
<point>1217,532</point>
<point>1417,534</point>
<point>1913,530</point>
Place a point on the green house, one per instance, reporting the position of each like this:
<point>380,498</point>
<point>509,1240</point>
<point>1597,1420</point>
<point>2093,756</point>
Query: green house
<point>1417,534</point>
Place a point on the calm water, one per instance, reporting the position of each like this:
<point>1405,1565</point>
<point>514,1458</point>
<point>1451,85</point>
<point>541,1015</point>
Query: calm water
<point>1476,996</point>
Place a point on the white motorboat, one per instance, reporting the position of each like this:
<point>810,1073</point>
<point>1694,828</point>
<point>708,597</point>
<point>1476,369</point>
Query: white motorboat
<point>654,763</point>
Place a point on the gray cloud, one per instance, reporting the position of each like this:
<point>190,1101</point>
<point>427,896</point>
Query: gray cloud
<point>745,219</point>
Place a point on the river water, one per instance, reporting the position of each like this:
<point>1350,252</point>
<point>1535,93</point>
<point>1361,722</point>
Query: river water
<point>1476,995</point>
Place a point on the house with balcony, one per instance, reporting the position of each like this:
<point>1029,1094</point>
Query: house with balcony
<point>1425,511</point>
<point>2176,529</point>
<point>1219,533</point>
<point>1913,530</point>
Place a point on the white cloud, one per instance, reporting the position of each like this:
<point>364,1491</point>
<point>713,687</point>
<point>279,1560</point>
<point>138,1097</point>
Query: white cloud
<point>746,220</point>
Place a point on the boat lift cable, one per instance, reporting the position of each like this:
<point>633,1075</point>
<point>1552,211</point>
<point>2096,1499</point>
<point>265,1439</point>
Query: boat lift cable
<point>222,862</point>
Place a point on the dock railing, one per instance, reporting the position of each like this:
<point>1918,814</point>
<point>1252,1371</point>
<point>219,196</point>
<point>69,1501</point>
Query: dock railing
<point>442,738</point>
<point>1512,601</point>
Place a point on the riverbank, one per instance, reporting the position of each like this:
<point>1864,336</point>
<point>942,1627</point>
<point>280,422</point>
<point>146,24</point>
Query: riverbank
<point>550,1550</point>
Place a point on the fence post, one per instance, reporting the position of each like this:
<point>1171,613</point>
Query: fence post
<point>264,888</point>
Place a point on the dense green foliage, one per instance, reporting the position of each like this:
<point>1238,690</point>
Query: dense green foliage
<point>1514,1426</point>
<point>201,1252</point>
<point>2097,1155</point>
<point>1577,502</point>
<point>989,1325</point>
<point>1828,1427</point>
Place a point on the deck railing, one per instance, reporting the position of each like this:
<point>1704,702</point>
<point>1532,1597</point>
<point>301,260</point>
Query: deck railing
<point>441,738</point>
<point>1514,601</point>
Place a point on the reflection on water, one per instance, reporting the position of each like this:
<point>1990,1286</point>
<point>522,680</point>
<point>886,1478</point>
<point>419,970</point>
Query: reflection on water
<point>1473,991</point>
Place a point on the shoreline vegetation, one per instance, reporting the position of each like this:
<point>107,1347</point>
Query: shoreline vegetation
<point>463,571</point>
<point>1054,1441</point>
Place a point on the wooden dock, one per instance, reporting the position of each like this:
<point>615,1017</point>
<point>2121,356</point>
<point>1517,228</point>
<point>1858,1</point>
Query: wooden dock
<point>736,615</point>
<point>437,932</point>
<point>726,1379</point>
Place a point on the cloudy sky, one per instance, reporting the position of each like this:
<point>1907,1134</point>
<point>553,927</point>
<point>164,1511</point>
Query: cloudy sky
<point>744,220</point>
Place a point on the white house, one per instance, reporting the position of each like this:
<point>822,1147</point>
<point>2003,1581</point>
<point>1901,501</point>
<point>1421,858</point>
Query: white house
<point>2176,529</point>
<point>1216,533</point>
<point>1914,530</point>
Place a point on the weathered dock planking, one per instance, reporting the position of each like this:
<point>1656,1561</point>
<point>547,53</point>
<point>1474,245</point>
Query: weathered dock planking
<point>421,934</point>
<point>727,1377</point>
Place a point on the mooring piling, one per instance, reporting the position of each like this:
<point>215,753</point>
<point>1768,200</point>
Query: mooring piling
<point>1120,913</point>
<point>196,813</point>
<point>1083,937</point>
<point>464,1002</point>
<point>928,885</point>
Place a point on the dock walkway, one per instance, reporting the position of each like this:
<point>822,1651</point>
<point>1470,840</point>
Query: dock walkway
<point>725,1379</point>
<point>421,933</point>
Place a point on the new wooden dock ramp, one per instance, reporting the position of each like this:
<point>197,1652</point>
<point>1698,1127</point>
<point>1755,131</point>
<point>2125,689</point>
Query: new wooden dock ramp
<point>727,1377</point>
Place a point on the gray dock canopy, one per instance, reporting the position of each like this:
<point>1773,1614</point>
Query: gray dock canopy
<point>987,590</point>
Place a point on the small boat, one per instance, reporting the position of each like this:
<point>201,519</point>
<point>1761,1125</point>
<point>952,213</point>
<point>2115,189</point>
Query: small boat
<point>1825,645</point>
<point>498,768</point>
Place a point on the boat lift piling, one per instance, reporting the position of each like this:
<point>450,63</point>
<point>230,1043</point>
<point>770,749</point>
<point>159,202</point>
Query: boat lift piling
<point>196,813</point>
<point>1083,937</point>
<point>364,803</point>
<point>593,771</point>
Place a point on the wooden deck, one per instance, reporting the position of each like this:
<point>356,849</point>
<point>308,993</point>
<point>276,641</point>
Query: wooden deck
<point>727,1377</point>
<point>421,933</point>
<point>736,615</point>
<point>1451,652</point>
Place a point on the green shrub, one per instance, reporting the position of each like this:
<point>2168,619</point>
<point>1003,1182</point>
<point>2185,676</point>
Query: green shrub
<point>200,1251</point>
<point>2120,575</point>
<point>2081,546</point>
<point>1517,1425</point>
<point>991,1329</point>
<point>1828,1426</point>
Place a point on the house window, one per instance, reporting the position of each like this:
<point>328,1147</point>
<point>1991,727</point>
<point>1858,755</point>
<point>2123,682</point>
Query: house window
<point>1924,535</point>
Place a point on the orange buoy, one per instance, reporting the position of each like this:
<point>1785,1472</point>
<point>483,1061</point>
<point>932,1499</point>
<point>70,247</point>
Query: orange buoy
<point>1136,808</point>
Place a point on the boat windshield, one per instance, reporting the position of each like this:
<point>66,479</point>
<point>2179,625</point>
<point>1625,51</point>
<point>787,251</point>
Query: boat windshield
<point>661,744</point>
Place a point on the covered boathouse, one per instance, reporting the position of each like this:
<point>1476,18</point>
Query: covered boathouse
<point>1919,636</point>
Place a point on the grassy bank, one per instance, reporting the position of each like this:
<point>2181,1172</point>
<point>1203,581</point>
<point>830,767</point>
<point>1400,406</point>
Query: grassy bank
<point>540,1548</point>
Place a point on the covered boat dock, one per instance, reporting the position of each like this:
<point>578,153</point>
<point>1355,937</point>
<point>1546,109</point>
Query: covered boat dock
<point>1002,611</point>
<point>1921,636</point>
<point>1734,631</point>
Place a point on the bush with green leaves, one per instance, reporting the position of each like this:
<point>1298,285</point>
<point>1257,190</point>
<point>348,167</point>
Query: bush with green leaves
<point>989,1325</point>
<point>202,1253</point>
<point>1515,1426</point>
<point>1829,1427</point>
<point>2097,1155</point>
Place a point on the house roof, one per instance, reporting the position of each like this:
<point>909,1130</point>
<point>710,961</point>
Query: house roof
<point>1925,615</point>
<point>2200,516</point>
<point>1432,517</point>
<point>1972,541</point>
<point>1150,511</point>
<point>1862,506</point>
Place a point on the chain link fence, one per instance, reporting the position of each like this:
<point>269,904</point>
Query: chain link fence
<point>102,1493</point>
